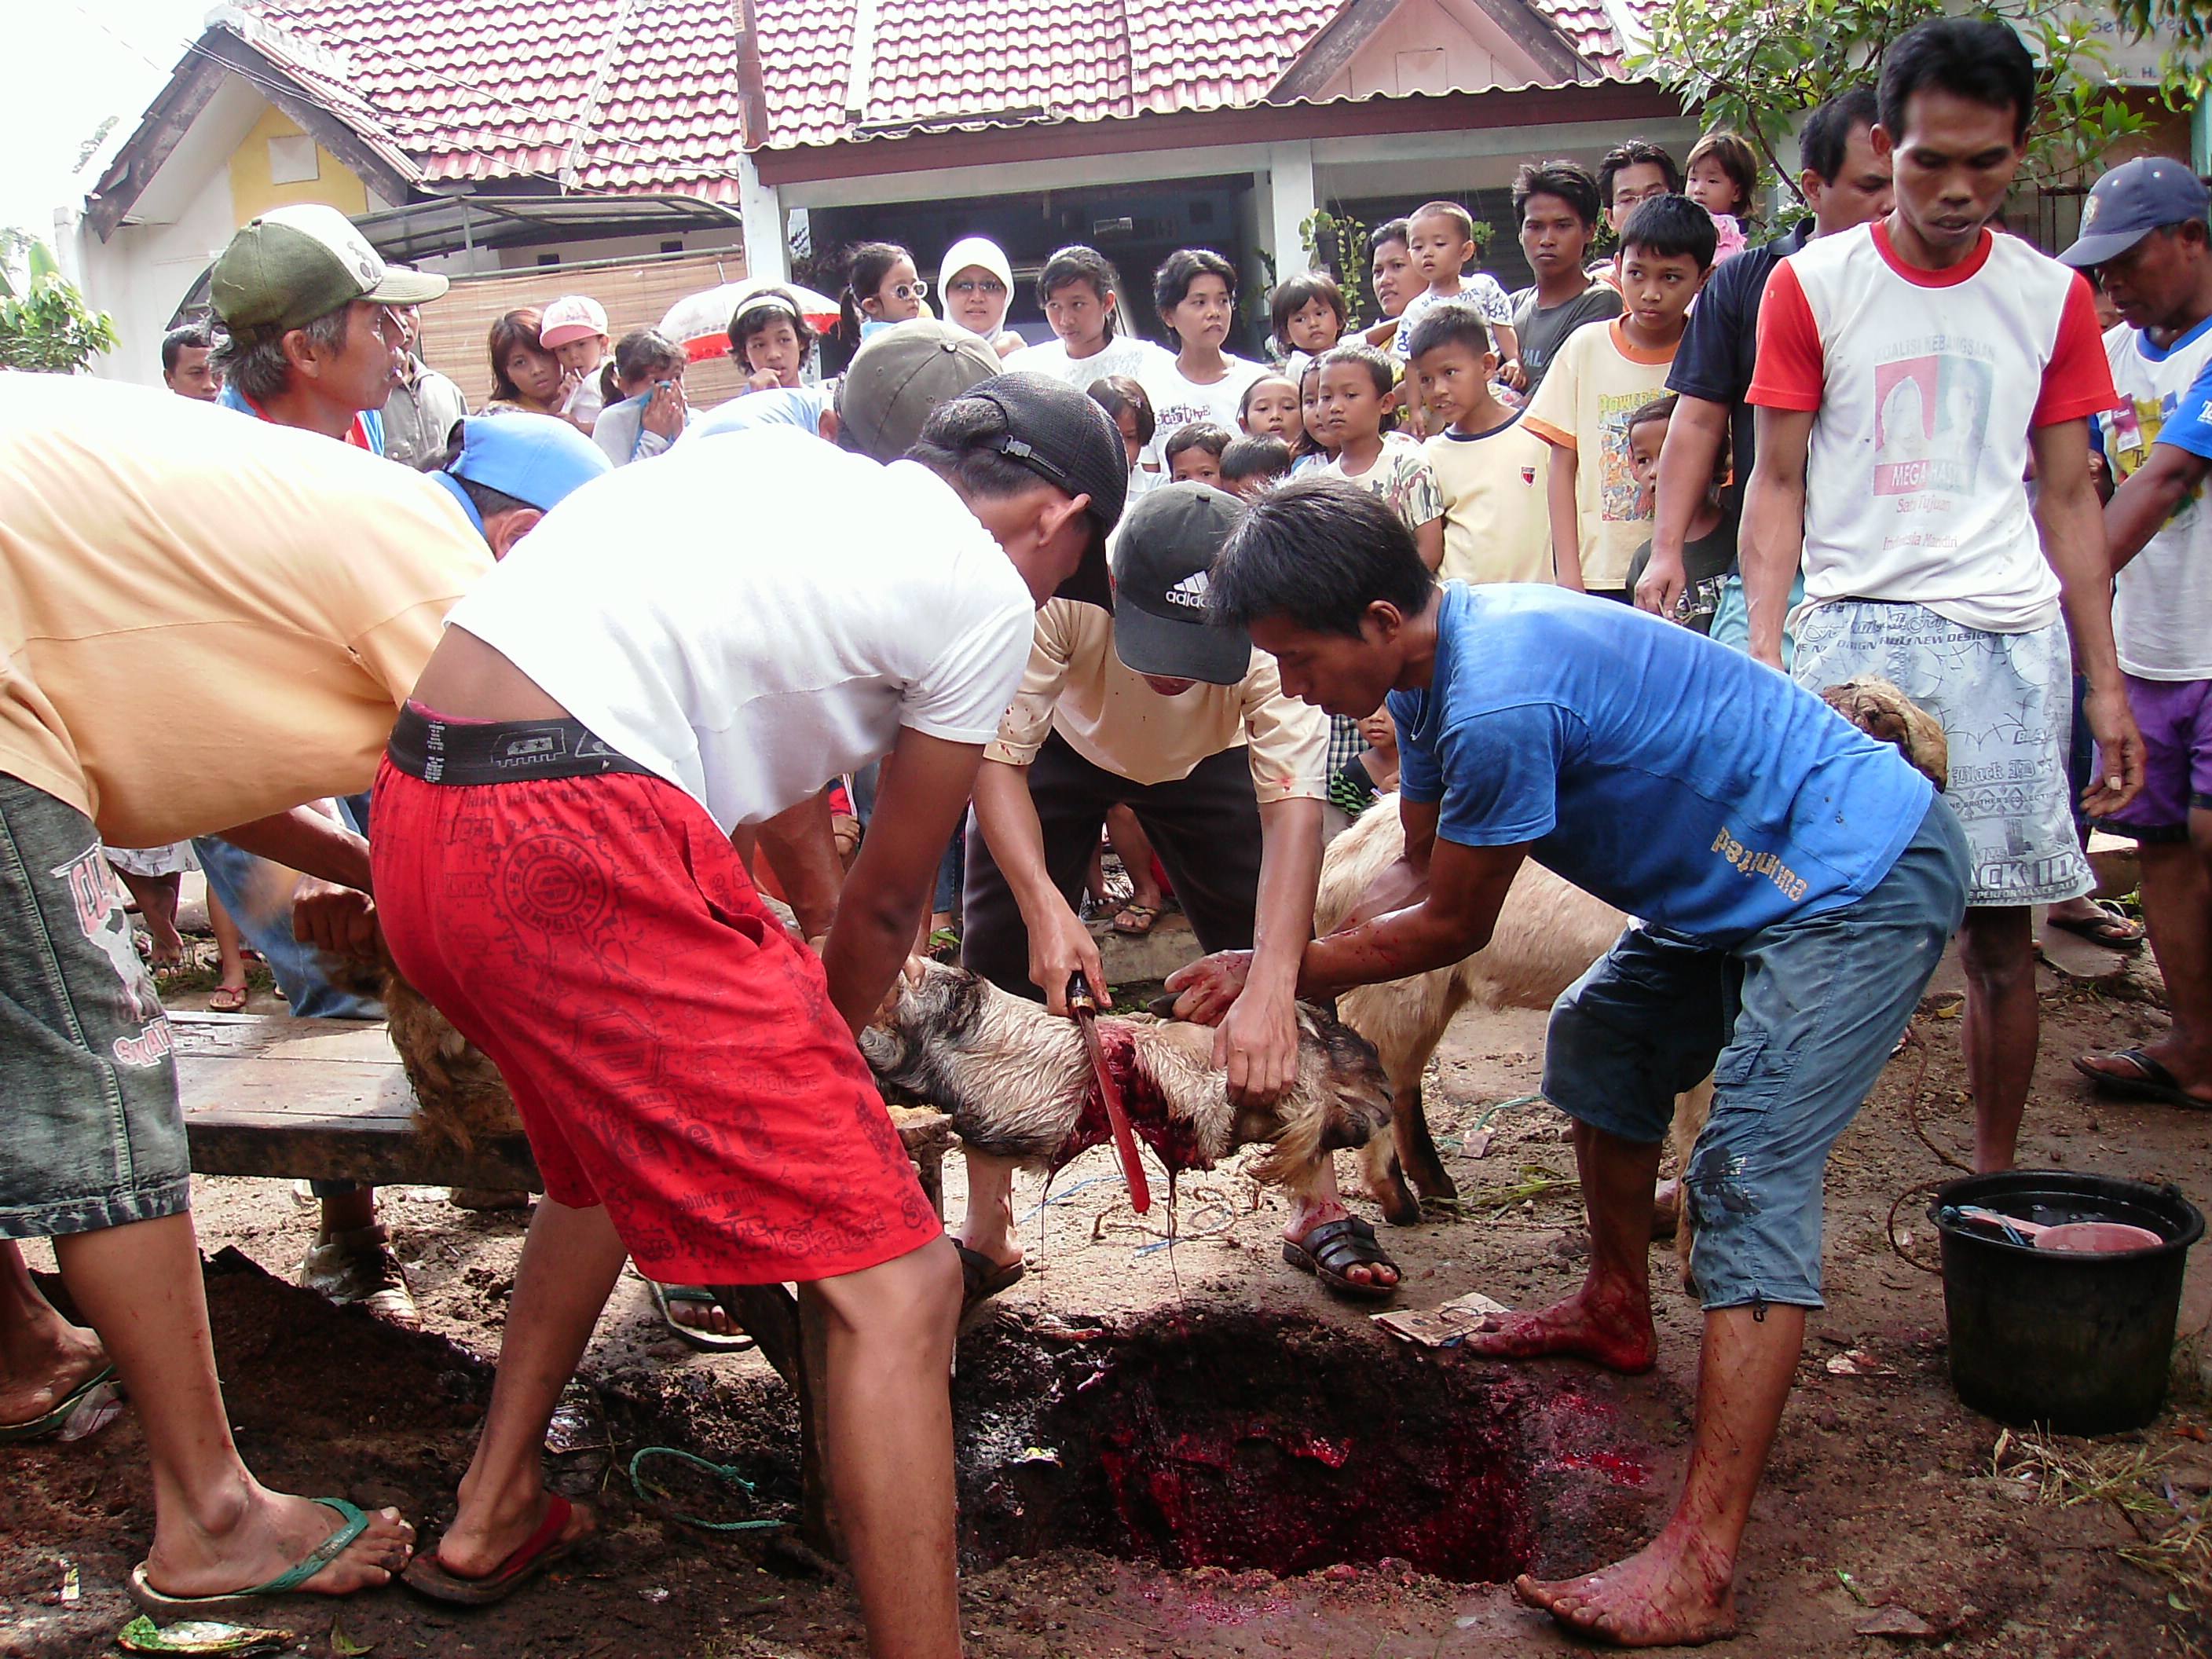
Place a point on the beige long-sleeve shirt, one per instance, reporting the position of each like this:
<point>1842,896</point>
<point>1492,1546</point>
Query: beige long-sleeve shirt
<point>1076,685</point>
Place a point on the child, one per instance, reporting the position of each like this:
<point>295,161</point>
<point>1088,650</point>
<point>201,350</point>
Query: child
<point>574,330</point>
<point>881,287</point>
<point>1193,454</point>
<point>1709,545</point>
<point>647,373</point>
<point>1249,464</point>
<point>1666,251</point>
<point>1270,409</point>
<point>1722,178</point>
<point>525,378</point>
<point>1078,293</point>
<point>772,340</point>
<point>1194,291</point>
<point>1309,317</point>
<point>1390,269</point>
<point>1353,787</point>
<point>1440,238</point>
<point>1310,450</point>
<point>1358,393</point>
<point>1120,397</point>
<point>1491,470</point>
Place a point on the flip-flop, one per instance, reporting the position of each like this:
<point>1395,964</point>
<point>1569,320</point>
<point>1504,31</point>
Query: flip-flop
<point>538,1552</point>
<point>54,1421</point>
<point>1151,912</point>
<point>2095,929</point>
<point>1331,1247</point>
<point>980,1279</point>
<point>228,999</point>
<point>248,1603</point>
<point>691,1336</point>
<point>2153,1083</point>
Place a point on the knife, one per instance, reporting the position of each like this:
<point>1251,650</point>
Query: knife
<point>1084,1007</point>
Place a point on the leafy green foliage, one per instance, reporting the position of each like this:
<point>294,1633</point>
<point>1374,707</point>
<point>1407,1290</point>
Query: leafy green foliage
<point>1337,243</point>
<point>1755,65</point>
<point>45,324</point>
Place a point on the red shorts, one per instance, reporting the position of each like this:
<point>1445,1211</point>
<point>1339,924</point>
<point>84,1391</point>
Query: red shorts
<point>672,1051</point>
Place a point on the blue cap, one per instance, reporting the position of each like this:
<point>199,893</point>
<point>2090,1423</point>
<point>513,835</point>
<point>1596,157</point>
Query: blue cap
<point>2131,201</point>
<point>533,457</point>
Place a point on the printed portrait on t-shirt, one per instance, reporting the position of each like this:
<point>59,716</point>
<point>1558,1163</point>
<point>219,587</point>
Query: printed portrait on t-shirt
<point>1617,493</point>
<point>2129,432</point>
<point>1931,418</point>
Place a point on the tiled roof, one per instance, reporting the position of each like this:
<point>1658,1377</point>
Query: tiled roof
<point>644,96</point>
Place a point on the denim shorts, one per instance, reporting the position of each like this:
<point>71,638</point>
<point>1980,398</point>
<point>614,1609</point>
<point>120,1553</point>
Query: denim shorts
<point>96,1135</point>
<point>1793,1024</point>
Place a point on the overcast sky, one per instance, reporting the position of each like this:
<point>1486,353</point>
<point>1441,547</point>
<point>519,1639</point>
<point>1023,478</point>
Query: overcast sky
<point>79,62</point>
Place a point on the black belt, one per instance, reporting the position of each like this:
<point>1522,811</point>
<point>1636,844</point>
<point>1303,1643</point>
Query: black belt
<point>500,751</point>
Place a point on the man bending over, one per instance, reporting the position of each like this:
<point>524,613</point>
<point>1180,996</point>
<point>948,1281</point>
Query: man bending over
<point>1797,881</point>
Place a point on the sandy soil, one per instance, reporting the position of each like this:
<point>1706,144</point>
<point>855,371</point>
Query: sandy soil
<point>1885,1496</point>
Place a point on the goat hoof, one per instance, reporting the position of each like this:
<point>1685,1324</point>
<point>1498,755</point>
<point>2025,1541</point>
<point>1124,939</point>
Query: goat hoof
<point>1429,1181</point>
<point>1400,1207</point>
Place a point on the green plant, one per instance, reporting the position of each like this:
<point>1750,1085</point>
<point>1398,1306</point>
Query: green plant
<point>1336,243</point>
<point>1755,65</point>
<point>45,324</point>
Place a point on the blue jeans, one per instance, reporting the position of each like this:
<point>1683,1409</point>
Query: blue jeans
<point>1794,1023</point>
<point>1732,622</point>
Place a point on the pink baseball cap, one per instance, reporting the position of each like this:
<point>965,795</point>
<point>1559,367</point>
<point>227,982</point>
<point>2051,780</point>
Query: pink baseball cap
<point>573,317</point>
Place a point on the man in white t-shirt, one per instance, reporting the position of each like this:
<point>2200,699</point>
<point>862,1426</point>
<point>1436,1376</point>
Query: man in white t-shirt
<point>2144,236</point>
<point>686,1071</point>
<point>1909,372</point>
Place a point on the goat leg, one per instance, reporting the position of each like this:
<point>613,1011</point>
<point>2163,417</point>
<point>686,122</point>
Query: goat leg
<point>1417,1149</point>
<point>1381,1164</point>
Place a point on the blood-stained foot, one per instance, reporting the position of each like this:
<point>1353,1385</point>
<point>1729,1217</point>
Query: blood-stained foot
<point>1614,1330</point>
<point>1674,1593</point>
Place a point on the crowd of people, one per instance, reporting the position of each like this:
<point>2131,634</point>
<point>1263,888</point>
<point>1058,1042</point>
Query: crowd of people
<point>1564,568</point>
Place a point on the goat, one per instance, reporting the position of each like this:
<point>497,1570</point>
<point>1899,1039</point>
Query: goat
<point>1017,1083</point>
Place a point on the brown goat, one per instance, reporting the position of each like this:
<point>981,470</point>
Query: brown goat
<point>1548,932</point>
<point>1017,1083</point>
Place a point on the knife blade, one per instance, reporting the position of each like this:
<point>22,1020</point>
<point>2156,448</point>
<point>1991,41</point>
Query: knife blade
<point>1084,1007</point>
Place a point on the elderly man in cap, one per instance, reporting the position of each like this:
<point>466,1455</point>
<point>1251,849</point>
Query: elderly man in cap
<point>311,340</point>
<point>1149,706</point>
<point>562,884</point>
<point>285,592</point>
<point>2145,238</point>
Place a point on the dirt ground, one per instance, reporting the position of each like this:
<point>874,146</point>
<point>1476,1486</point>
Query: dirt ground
<point>1887,1503</point>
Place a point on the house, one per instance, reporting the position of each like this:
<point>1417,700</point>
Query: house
<point>685,141</point>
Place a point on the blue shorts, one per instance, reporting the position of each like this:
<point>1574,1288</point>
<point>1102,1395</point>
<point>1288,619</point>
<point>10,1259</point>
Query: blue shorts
<point>1793,1024</point>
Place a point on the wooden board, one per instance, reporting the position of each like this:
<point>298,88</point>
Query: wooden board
<point>322,1099</point>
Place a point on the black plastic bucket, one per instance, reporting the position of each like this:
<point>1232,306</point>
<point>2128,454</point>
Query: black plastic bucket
<point>2075,1342</point>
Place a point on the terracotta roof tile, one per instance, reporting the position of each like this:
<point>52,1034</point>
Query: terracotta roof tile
<point>636,95</point>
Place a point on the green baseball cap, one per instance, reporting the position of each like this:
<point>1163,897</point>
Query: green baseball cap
<point>293,264</point>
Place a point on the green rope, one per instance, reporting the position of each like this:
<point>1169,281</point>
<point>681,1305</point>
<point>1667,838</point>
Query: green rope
<point>724,1471</point>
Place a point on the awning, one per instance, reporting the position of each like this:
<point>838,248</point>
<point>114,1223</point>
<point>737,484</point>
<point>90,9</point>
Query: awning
<point>423,230</point>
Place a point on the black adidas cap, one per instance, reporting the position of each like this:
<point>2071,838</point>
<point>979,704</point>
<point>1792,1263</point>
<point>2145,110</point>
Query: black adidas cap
<point>1160,565</point>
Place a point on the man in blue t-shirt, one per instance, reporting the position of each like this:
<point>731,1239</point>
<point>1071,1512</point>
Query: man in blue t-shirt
<point>1796,880</point>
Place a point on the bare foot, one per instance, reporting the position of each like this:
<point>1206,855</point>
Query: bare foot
<point>710,1316</point>
<point>1307,1214</point>
<point>1666,1209</point>
<point>475,1547</point>
<point>1671,1593</point>
<point>76,1356</point>
<point>274,1531</point>
<point>1615,1331</point>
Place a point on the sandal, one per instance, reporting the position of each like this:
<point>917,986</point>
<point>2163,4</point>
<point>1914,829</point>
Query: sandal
<point>694,1336</point>
<point>228,999</point>
<point>1146,916</point>
<point>2152,1080</point>
<point>353,1522</point>
<point>980,1279</point>
<point>2116,930</point>
<point>58,1420</point>
<point>537,1552</point>
<point>1331,1247</point>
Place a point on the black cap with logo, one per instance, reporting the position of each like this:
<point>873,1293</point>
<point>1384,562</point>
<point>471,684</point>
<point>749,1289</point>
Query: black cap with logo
<point>1160,566</point>
<point>1069,441</point>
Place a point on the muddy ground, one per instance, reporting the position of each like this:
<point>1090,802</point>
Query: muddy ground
<point>1251,1469</point>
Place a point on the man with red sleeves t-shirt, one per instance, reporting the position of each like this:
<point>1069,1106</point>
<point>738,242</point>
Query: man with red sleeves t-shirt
<point>1912,373</point>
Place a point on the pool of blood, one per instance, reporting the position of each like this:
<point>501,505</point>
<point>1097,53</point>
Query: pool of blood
<point>1246,1440</point>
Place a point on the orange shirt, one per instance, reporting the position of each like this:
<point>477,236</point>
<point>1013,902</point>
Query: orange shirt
<point>203,618</point>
